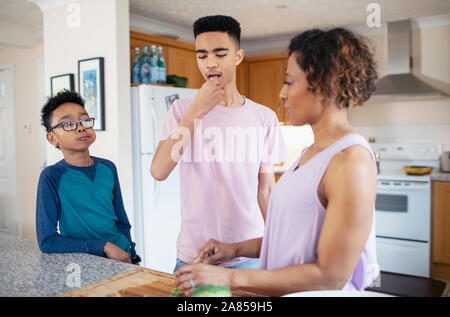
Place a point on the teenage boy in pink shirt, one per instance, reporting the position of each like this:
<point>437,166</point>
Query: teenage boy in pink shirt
<point>226,145</point>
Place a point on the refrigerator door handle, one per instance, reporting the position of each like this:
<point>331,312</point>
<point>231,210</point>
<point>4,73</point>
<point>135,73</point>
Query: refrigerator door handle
<point>155,126</point>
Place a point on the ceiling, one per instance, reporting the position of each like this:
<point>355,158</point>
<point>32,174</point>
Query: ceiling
<point>20,12</point>
<point>267,18</point>
<point>258,18</point>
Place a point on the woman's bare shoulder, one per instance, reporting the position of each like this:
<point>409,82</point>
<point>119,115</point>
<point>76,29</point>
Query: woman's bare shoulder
<point>352,164</point>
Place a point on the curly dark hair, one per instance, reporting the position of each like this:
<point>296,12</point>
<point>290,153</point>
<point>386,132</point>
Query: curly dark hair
<point>219,23</point>
<point>54,102</point>
<point>339,65</point>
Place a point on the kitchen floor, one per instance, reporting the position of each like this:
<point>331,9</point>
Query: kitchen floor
<point>411,286</point>
<point>446,292</point>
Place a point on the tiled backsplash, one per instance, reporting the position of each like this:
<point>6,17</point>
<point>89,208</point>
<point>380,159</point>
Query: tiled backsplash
<point>408,134</point>
<point>297,138</point>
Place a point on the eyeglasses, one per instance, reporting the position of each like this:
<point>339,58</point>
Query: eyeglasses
<point>73,124</point>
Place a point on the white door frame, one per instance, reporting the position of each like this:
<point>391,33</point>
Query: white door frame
<point>12,225</point>
<point>41,102</point>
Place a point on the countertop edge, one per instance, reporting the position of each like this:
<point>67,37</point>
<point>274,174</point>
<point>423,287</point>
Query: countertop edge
<point>440,176</point>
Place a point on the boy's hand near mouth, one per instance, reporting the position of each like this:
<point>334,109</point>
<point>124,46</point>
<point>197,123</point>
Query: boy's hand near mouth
<point>210,95</point>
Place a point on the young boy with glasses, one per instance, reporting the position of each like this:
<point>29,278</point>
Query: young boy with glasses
<point>79,204</point>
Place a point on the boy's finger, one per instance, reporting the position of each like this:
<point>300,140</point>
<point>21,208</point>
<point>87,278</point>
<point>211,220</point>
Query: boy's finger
<point>202,254</point>
<point>213,259</point>
<point>198,259</point>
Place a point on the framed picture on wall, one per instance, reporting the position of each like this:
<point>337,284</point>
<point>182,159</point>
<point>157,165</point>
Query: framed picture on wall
<point>92,88</point>
<point>61,82</point>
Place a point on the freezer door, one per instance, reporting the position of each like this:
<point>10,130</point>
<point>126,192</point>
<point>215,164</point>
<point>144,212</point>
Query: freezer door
<point>163,98</point>
<point>147,121</point>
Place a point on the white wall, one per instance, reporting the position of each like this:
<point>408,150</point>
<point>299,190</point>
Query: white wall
<point>413,120</point>
<point>103,32</point>
<point>431,62</point>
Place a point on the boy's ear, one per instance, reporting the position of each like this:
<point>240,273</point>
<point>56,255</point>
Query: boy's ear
<point>51,138</point>
<point>239,57</point>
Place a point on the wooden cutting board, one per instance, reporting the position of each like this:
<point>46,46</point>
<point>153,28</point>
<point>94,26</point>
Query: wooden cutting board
<point>140,282</point>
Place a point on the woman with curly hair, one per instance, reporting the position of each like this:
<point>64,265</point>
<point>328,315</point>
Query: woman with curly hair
<point>320,230</point>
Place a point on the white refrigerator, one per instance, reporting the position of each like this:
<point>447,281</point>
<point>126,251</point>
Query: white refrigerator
<point>156,204</point>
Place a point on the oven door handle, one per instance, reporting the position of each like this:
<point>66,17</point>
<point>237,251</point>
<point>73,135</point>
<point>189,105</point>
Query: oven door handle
<point>423,186</point>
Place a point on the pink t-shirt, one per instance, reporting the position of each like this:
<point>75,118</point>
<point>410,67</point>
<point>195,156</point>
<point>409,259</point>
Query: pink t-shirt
<point>219,173</point>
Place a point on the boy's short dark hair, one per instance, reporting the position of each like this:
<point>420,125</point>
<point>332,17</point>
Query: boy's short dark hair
<point>54,102</point>
<point>219,23</point>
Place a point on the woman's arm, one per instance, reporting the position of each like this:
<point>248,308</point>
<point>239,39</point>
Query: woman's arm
<point>350,188</point>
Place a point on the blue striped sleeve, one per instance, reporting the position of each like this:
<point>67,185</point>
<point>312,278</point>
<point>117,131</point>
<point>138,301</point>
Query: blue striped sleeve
<point>123,223</point>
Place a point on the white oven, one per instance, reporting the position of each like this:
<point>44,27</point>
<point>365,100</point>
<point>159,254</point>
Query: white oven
<point>403,226</point>
<point>403,208</point>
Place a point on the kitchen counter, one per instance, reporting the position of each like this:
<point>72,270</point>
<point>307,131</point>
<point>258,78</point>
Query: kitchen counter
<point>26,271</point>
<point>440,176</point>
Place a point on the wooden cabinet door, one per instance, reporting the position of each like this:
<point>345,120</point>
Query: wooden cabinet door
<point>284,117</point>
<point>183,63</point>
<point>441,222</point>
<point>265,81</point>
<point>242,79</point>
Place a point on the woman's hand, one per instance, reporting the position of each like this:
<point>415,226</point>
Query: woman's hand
<point>215,252</point>
<point>114,252</point>
<point>201,274</point>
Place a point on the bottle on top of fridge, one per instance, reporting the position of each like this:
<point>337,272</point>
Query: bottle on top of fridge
<point>153,66</point>
<point>145,66</point>
<point>136,70</point>
<point>161,67</point>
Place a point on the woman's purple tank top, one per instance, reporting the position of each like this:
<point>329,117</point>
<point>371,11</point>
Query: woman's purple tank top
<point>295,217</point>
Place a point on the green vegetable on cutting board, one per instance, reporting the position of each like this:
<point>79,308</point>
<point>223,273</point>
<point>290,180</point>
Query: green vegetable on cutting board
<point>205,290</point>
<point>176,293</point>
<point>208,290</point>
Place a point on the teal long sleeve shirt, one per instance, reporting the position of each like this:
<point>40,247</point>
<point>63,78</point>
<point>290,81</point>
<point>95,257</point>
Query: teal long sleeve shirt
<point>79,209</point>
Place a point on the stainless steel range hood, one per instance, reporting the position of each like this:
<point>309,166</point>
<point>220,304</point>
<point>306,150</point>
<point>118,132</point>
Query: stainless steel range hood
<point>399,81</point>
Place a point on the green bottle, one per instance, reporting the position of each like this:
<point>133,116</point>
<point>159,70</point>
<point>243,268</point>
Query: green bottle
<point>136,71</point>
<point>161,67</point>
<point>153,66</point>
<point>145,66</point>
